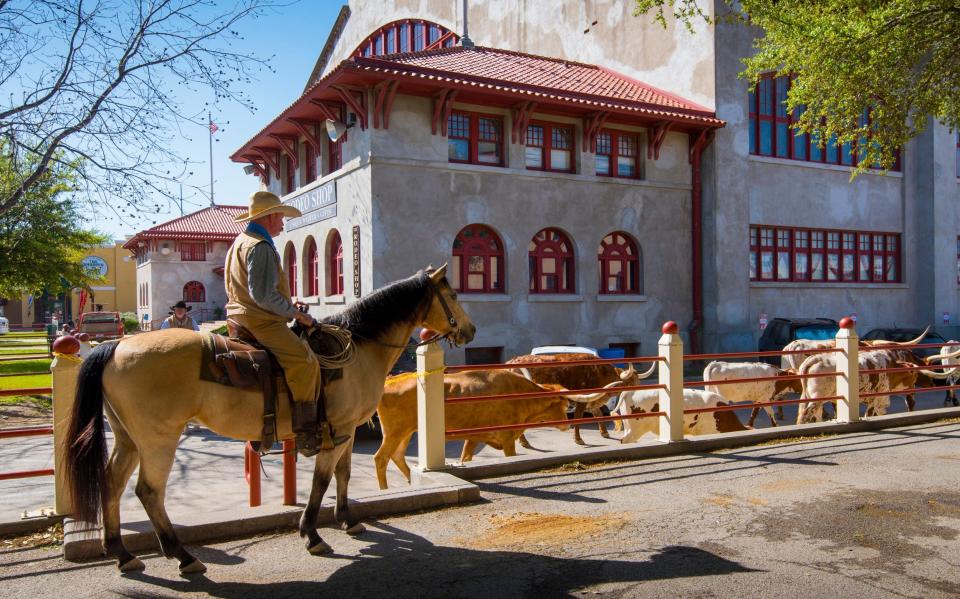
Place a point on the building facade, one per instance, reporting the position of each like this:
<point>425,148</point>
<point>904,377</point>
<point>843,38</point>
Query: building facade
<point>588,175</point>
<point>183,260</point>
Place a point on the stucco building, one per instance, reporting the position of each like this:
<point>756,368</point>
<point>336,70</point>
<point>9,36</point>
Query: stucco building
<point>588,175</point>
<point>182,259</point>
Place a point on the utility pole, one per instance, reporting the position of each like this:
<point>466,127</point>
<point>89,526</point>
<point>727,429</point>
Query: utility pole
<point>210,128</point>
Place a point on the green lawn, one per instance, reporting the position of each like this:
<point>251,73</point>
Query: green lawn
<point>43,403</point>
<point>38,365</point>
<point>23,351</point>
<point>27,381</point>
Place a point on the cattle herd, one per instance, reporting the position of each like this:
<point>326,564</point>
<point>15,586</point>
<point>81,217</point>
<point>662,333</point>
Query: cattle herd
<point>554,373</point>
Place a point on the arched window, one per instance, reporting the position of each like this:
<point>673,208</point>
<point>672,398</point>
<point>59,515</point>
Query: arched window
<point>313,268</point>
<point>551,262</point>
<point>290,263</point>
<point>477,260</point>
<point>194,292</point>
<point>335,264</point>
<point>407,35</point>
<point>619,257</point>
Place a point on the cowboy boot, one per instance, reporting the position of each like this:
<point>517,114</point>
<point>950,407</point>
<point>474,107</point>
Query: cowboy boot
<point>304,417</point>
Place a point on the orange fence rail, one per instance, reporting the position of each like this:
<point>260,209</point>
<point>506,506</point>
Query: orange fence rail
<point>31,431</point>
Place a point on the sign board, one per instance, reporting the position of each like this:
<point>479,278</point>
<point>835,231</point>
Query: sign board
<point>763,320</point>
<point>356,260</point>
<point>316,205</point>
<point>946,319</point>
<point>95,266</point>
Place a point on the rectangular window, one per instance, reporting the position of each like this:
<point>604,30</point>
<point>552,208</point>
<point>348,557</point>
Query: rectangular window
<point>391,41</point>
<point>794,254</point>
<point>290,183</point>
<point>483,355</point>
<point>474,138</point>
<point>404,37</point>
<point>772,134</point>
<point>618,154</point>
<point>549,148</point>
<point>310,157</point>
<point>193,251</point>
<point>418,37</point>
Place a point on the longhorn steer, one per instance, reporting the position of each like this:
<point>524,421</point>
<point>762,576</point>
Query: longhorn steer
<point>398,414</point>
<point>891,382</point>
<point>648,400</point>
<point>951,397</point>
<point>573,377</point>
<point>755,392</point>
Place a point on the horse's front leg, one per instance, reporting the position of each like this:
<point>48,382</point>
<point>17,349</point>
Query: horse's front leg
<point>322,473</point>
<point>342,510</point>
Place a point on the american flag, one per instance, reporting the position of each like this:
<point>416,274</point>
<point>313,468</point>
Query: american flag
<point>213,128</point>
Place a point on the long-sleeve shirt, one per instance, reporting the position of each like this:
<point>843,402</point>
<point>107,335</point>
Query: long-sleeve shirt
<point>263,266</point>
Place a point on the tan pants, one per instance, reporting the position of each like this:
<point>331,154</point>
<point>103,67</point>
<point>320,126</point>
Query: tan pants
<point>299,363</point>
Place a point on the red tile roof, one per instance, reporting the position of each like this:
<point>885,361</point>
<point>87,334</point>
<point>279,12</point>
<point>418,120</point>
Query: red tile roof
<point>529,72</point>
<point>214,223</point>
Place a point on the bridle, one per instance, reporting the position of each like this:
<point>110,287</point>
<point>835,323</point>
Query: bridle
<point>451,320</point>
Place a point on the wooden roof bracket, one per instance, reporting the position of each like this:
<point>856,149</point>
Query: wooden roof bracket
<point>270,156</point>
<point>442,107</point>
<point>288,144</point>
<point>655,136</point>
<point>357,106</point>
<point>325,110</point>
<point>702,141</point>
<point>384,93</point>
<point>304,126</point>
<point>592,124</point>
<point>521,116</point>
<point>258,164</point>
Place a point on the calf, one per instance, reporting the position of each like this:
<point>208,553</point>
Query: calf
<point>755,392</point>
<point>648,400</point>
<point>877,359</point>
<point>398,414</point>
<point>587,376</point>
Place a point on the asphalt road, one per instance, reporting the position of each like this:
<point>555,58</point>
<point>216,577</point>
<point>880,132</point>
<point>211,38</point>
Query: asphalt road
<point>862,515</point>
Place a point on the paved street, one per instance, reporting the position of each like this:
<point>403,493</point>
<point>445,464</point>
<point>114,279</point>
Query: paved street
<point>862,515</point>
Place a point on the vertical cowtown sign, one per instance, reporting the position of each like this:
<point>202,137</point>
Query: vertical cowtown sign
<point>356,260</point>
<point>315,205</point>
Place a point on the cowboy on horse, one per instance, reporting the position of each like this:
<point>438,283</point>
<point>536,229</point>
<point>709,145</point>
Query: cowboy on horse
<point>258,299</point>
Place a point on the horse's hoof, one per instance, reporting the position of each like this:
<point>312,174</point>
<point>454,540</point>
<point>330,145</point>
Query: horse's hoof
<point>132,565</point>
<point>194,567</point>
<point>321,548</point>
<point>356,529</point>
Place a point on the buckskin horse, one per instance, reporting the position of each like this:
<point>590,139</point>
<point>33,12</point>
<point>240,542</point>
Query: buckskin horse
<point>149,388</point>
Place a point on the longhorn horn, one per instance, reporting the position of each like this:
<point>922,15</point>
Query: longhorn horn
<point>940,375</point>
<point>913,342</point>
<point>631,371</point>
<point>592,397</point>
<point>940,357</point>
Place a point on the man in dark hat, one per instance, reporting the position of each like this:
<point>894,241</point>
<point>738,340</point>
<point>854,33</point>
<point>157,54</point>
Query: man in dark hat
<point>179,318</point>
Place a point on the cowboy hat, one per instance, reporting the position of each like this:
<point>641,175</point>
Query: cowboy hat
<point>181,304</point>
<point>263,203</point>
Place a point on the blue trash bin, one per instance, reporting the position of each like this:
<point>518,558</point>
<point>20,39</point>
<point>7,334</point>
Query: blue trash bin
<point>613,352</point>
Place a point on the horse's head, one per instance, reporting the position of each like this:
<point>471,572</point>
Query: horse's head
<point>445,315</point>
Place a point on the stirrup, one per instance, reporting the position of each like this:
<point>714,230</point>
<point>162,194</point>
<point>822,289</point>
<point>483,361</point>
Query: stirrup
<point>327,439</point>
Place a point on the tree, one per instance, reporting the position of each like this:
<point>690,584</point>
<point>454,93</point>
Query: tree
<point>896,60</point>
<point>96,84</point>
<point>42,241</point>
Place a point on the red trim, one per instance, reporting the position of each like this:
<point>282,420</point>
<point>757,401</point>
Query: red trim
<point>194,291</point>
<point>554,245</point>
<point>478,250</point>
<point>546,140</point>
<point>621,249</point>
<point>313,269</point>
<point>613,144</point>
<point>335,264</point>
<point>290,257</point>
<point>400,36</point>
<point>475,135</point>
<point>193,251</point>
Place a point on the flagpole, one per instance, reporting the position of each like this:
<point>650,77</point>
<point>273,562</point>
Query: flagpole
<point>210,131</point>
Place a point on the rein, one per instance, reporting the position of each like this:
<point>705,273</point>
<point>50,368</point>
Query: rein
<point>450,320</point>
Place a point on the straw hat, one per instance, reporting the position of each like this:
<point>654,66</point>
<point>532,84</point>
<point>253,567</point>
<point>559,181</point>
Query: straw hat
<point>263,203</point>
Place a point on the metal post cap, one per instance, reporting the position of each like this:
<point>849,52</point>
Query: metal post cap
<point>846,323</point>
<point>670,328</point>
<point>66,344</point>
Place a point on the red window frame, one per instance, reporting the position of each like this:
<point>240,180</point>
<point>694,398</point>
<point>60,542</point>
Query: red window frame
<point>193,251</point>
<point>194,291</point>
<point>620,267</point>
<point>313,266</point>
<point>470,126</point>
<point>478,251</point>
<point>405,35</point>
<point>335,264</point>
<point>543,138</point>
<point>290,180</point>
<point>552,244</point>
<point>795,254</point>
<point>767,107</point>
<point>613,144</point>
<point>290,257</point>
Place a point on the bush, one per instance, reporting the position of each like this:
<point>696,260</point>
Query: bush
<point>130,322</point>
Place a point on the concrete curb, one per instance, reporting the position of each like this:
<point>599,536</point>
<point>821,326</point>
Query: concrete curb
<point>698,444</point>
<point>81,540</point>
<point>28,525</point>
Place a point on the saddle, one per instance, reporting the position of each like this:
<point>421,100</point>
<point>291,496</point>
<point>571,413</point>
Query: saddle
<point>240,361</point>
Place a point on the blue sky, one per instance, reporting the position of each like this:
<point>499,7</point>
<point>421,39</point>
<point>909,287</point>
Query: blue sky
<point>294,36</point>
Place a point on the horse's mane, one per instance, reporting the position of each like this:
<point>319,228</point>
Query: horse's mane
<point>400,302</point>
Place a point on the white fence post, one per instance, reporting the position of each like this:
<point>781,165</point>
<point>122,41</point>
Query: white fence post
<point>65,369</point>
<point>431,422</point>
<point>671,375</point>
<point>848,372</point>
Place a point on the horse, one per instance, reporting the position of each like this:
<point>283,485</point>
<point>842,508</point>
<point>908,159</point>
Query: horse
<point>149,388</point>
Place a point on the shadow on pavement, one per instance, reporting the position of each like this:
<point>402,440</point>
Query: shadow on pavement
<point>400,564</point>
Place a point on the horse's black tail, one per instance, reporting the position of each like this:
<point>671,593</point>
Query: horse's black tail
<point>86,441</point>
